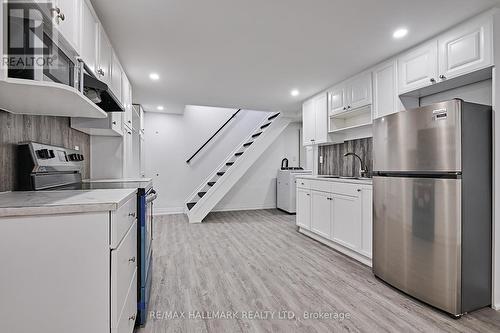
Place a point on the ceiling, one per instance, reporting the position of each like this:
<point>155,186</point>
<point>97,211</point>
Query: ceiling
<point>251,54</point>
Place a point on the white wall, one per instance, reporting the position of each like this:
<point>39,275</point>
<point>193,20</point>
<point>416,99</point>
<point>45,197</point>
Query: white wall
<point>170,139</point>
<point>257,189</point>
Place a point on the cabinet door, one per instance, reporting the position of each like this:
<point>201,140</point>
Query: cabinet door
<point>308,122</point>
<point>127,101</point>
<point>466,49</point>
<point>117,122</point>
<point>321,118</point>
<point>359,91</point>
<point>105,54</point>
<point>321,213</point>
<point>385,92</point>
<point>366,221</point>
<point>89,38</point>
<point>70,25</point>
<point>418,68</point>
<point>303,209</point>
<point>128,163</point>
<point>116,78</point>
<point>347,221</point>
<point>337,100</point>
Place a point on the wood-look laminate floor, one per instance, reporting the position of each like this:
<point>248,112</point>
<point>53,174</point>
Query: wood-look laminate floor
<point>250,262</point>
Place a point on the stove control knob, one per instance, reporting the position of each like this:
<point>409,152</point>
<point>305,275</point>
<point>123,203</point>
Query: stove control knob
<point>51,154</point>
<point>81,157</point>
<point>43,153</point>
<point>72,157</point>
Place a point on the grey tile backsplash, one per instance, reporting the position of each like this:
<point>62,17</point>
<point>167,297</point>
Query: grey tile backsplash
<point>51,130</point>
<point>334,162</point>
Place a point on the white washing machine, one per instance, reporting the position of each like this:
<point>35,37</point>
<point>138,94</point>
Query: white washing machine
<point>286,189</point>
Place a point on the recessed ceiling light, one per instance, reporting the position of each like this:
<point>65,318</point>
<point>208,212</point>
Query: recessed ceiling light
<point>294,92</point>
<point>159,108</point>
<point>400,33</point>
<point>154,76</point>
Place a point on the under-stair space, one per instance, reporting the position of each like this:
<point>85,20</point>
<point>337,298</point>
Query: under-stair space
<point>204,199</point>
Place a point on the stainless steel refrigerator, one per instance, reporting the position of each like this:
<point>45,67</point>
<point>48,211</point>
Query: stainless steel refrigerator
<point>432,189</point>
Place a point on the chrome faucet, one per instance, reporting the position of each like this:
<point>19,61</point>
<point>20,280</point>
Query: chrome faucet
<point>363,171</point>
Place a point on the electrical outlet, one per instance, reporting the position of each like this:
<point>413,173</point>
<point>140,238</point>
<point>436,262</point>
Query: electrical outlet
<point>321,159</point>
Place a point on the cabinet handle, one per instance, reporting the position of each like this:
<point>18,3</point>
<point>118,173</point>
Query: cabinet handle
<point>132,317</point>
<point>129,132</point>
<point>61,16</point>
<point>345,108</point>
<point>433,80</point>
<point>100,72</point>
<point>114,122</point>
<point>131,259</point>
<point>442,77</point>
<point>359,190</point>
<point>307,194</point>
<point>131,214</point>
<point>348,106</point>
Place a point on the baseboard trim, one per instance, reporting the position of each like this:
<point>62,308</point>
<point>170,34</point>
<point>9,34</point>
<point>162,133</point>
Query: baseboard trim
<point>495,307</point>
<point>250,207</point>
<point>340,248</point>
<point>168,211</point>
<point>180,210</point>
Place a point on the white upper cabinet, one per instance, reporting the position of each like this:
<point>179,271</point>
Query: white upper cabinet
<point>350,95</point>
<point>418,68</point>
<point>116,78</point>
<point>337,97</point>
<point>385,89</point>
<point>89,38</point>
<point>308,122</point>
<point>67,16</point>
<point>359,91</point>
<point>127,101</point>
<point>105,52</point>
<point>321,111</point>
<point>466,49</point>
<point>314,120</point>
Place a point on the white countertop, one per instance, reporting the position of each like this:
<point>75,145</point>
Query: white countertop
<point>337,180</point>
<point>25,203</point>
<point>116,180</point>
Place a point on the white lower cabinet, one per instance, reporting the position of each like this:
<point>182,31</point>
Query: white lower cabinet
<point>346,220</point>
<point>321,209</point>
<point>339,214</point>
<point>304,208</point>
<point>65,276</point>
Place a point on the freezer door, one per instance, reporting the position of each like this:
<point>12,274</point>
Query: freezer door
<point>423,140</point>
<point>417,238</point>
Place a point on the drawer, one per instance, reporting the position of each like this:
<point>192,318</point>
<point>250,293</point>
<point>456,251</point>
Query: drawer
<point>121,220</point>
<point>352,190</point>
<point>304,183</point>
<point>123,267</point>
<point>128,316</point>
<point>323,186</point>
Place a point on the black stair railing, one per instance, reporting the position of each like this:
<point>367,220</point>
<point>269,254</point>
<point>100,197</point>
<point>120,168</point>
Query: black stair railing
<point>213,136</point>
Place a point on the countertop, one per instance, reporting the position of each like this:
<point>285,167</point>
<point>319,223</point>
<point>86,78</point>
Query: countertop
<point>24,203</point>
<point>337,180</point>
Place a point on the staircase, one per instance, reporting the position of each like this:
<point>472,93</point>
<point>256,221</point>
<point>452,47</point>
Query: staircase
<point>227,174</point>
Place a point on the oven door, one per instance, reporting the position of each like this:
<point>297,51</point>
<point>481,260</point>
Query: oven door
<point>150,197</point>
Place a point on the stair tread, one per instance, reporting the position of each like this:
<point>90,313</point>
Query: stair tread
<point>273,116</point>
<point>201,194</point>
<point>265,125</point>
<point>229,163</point>
<point>239,154</point>
<point>211,183</point>
<point>256,135</point>
<point>191,205</point>
<point>220,173</point>
<point>247,144</point>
